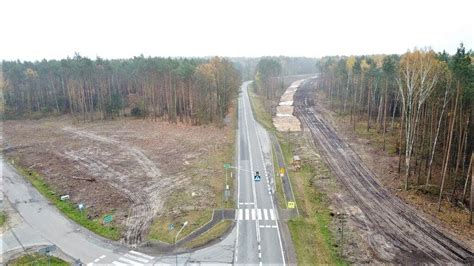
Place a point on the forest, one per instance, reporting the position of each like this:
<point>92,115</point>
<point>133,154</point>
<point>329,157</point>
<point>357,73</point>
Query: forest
<point>195,91</point>
<point>424,99</point>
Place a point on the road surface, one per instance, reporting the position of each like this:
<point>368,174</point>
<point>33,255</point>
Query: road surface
<point>258,231</point>
<point>399,235</point>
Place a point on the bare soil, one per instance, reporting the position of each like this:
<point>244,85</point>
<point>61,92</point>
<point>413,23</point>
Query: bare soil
<point>132,168</point>
<point>452,219</point>
<point>395,232</point>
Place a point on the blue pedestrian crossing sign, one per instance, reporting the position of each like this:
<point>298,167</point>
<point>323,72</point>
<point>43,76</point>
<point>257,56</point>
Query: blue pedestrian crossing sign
<point>257,177</point>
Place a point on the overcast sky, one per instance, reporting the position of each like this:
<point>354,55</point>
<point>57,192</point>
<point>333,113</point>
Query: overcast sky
<point>33,30</point>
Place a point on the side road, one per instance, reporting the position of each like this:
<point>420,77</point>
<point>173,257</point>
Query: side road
<point>42,225</point>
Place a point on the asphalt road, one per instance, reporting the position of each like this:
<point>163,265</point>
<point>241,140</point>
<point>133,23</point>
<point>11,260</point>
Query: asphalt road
<point>400,235</point>
<point>258,232</point>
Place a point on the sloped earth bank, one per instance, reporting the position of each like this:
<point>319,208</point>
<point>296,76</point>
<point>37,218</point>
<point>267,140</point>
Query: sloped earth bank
<point>128,167</point>
<point>395,232</point>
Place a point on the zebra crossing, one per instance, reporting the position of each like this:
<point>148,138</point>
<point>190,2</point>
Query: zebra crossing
<point>255,214</point>
<point>133,258</point>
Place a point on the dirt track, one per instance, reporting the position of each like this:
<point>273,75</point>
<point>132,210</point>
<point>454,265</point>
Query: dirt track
<point>399,234</point>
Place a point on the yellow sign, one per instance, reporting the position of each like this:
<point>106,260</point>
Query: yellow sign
<point>291,204</point>
<point>282,171</point>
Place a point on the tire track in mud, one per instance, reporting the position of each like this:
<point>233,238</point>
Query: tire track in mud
<point>147,197</point>
<point>398,233</point>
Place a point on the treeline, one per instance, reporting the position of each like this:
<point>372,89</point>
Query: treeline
<point>273,74</point>
<point>425,99</point>
<point>187,90</point>
<point>289,65</point>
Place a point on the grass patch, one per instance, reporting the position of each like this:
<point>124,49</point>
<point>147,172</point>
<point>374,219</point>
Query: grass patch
<point>68,208</point>
<point>215,232</point>
<point>37,259</point>
<point>314,242</point>
<point>262,115</point>
<point>159,229</point>
<point>3,218</point>
<point>278,182</point>
<point>312,238</point>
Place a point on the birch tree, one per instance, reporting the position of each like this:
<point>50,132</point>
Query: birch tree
<point>419,73</point>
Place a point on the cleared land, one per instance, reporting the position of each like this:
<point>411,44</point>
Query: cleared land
<point>398,233</point>
<point>139,171</point>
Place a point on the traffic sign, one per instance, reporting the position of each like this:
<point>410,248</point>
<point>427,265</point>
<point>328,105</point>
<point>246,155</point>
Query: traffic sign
<point>81,206</point>
<point>282,171</point>
<point>108,218</point>
<point>291,204</point>
<point>170,227</point>
<point>64,197</point>
<point>257,178</point>
<point>227,165</point>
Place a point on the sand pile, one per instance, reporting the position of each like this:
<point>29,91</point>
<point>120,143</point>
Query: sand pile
<point>284,119</point>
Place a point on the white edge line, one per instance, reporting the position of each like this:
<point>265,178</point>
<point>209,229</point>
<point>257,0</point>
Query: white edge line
<point>271,199</point>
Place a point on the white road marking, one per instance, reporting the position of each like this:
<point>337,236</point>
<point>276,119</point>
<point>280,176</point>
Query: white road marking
<point>259,214</point>
<point>268,226</point>
<point>253,214</point>
<point>247,214</point>
<point>246,203</point>
<point>96,260</point>
<point>119,263</point>
<point>236,257</point>
<point>103,256</point>
<point>136,258</point>
<point>265,214</point>
<point>130,262</point>
<point>272,214</point>
<point>141,254</point>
